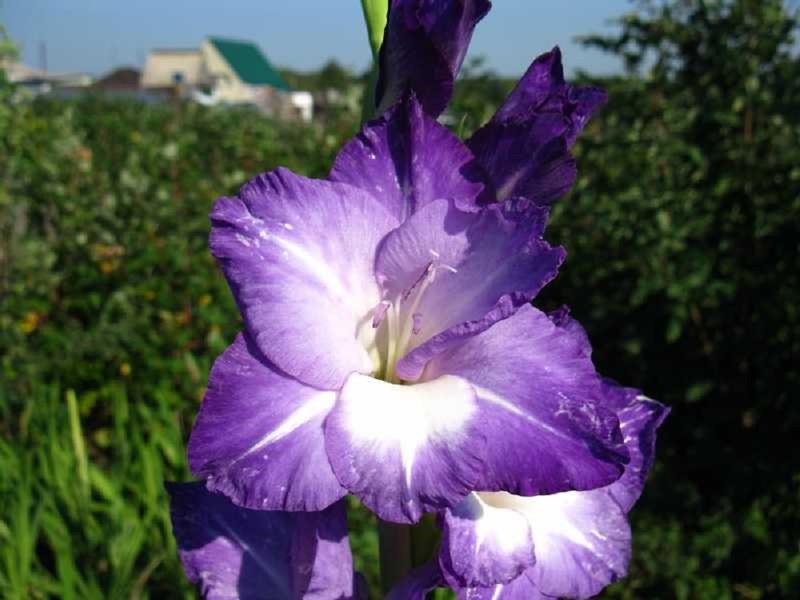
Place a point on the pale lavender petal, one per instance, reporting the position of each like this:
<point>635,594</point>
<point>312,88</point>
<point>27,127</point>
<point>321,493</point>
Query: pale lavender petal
<point>541,405</point>
<point>405,449</point>
<point>522,588</point>
<point>460,271</point>
<point>525,147</point>
<point>406,160</point>
<point>423,47</point>
<point>582,540</point>
<point>298,254</point>
<point>258,437</point>
<point>483,545</point>
<point>417,584</point>
<point>237,553</point>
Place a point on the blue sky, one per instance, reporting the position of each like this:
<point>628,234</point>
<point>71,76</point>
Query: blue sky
<point>95,35</point>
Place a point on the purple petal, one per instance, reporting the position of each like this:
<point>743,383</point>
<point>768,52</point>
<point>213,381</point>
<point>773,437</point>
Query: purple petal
<point>542,89</point>
<point>522,588</point>
<point>639,421</point>
<point>423,47</point>
<point>459,272</point>
<point>237,553</point>
<point>581,542</point>
<point>258,437</point>
<point>405,449</point>
<point>298,254</point>
<point>542,407</point>
<point>483,545</point>
<point>406,160</point>
<point>525,147</point>
<point>581,539</point>
<point>417,584</point>
<point>322,565</point>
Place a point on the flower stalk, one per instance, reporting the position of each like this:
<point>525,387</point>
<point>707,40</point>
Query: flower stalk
<point>394,545</point>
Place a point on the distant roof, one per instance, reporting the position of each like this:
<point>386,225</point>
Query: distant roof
<point>249,63</point>
<point>122,78</point>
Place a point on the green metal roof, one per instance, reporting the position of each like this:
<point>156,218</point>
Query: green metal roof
<point>249,63</point>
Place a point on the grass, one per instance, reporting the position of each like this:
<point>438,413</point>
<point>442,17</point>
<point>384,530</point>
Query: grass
<point>88,518</point>
<point>84,510</point>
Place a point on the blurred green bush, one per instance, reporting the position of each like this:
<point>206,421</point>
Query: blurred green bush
<point>683,234</point>
<point>108,296</point>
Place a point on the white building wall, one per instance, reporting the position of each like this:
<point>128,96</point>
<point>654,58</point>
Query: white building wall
<point>224,81</point>
<point>162,66</point>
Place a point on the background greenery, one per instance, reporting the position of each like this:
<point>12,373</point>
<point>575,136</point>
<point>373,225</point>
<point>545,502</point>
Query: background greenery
<point>683,234</point>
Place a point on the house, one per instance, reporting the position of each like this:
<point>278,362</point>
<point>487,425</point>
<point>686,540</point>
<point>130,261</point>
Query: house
<point>239,72</point>
<point>40,81</point>
<point>224,71</point>
<point>166,68</point>
<point>122,79</point>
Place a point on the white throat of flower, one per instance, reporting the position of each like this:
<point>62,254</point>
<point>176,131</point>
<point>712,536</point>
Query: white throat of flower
<point>397,322</point>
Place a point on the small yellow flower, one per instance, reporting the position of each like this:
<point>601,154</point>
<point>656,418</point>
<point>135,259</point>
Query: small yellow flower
<point>30,322</point>
<point>125,370</point>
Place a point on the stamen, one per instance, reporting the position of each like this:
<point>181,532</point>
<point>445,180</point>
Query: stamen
<point>402,318</point>
<point>379,312</point>
<point>417,323</point>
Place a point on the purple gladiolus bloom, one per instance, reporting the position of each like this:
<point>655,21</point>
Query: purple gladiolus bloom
<point>390,351</point>
<point>376,359</point>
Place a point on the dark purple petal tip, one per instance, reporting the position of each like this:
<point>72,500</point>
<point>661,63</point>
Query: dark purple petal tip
<point>525,146</point>
<point>423,47</point>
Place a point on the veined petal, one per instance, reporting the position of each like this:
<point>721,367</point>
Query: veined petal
<point>525,147</point>
<point>542,407</point>
<point>405,450</point>
<point>258,437</point>
<point>423,47</point>
<point>581,539</point>
<point>405,159</point>
<point>483,545</point>
<point>581,542</point>
<point>639,420</point>
<point>298,254</point>
<point>474,263</point>
<point>522,588</point>
<point>237,553</point>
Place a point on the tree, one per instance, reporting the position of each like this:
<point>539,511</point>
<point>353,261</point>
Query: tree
<point>684,228</point>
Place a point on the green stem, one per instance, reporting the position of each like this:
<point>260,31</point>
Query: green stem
<point>375,13</point>
<point>394,543</point>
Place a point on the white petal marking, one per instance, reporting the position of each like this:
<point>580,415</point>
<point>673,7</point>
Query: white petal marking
<point>383,415</point>
<point>320,404</point>
<point>501,402</point>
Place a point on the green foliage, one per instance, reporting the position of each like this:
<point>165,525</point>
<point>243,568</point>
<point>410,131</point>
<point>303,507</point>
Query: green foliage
<point>111,313</point>
<point>683,238</point>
